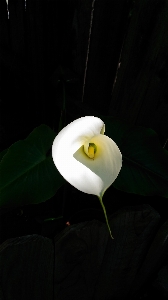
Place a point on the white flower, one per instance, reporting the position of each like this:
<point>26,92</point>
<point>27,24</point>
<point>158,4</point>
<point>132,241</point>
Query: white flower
<point>85,157</point>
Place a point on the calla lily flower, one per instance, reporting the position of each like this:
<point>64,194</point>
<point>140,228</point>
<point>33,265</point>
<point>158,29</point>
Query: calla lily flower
<point>86,158</point>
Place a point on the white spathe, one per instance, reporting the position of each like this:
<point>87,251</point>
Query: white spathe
<point>71,156</point>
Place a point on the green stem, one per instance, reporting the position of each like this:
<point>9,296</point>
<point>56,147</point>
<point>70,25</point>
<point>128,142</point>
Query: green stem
<point>101,202</point>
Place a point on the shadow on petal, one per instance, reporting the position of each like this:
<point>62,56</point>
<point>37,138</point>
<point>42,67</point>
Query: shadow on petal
<point>82,157</point>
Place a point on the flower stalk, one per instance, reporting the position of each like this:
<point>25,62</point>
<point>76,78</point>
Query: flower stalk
<point>105,214</point>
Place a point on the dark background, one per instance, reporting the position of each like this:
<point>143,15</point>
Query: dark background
<point>110,57</point>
